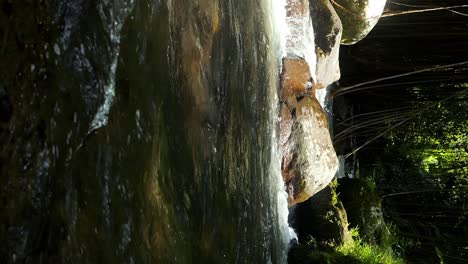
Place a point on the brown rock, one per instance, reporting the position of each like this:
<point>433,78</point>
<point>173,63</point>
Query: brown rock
<point>295,77</point>
<point>285,124</point>
<point>195,45</point>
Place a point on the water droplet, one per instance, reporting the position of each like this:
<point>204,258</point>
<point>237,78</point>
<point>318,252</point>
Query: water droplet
<point>57,49</point>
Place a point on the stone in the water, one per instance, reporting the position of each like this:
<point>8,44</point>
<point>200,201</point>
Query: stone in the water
<point>309,160</point>
<point>358,17</point>
<point>295,77</point>
<point>328,31</point>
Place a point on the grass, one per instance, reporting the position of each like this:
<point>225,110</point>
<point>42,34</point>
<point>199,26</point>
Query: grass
<point>354,252</point>
<point>365,253</point>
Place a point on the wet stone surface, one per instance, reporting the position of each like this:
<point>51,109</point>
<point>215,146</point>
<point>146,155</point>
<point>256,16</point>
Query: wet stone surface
<point>175,168</point>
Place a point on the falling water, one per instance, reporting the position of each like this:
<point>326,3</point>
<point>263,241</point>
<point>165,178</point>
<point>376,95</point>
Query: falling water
<point>282,31</point>
<point>184,165</point>
<point>112,15</point>
<point>299,36</point>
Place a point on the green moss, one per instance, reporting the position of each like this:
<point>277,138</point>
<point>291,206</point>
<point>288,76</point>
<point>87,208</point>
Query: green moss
<point>334,196</point>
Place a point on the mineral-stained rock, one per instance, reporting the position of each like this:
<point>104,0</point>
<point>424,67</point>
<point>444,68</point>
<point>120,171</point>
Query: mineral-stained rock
<point>195,45</point>
<point>358,17</point>
<point>328,31</point>
<point>309,161</point>
<point>286,122</point>
<point>295,77</point>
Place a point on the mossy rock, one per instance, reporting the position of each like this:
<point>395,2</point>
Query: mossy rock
<point>322,217</point>
<point>328,30</point>
<point>363,206</point>
<point>358,17</point>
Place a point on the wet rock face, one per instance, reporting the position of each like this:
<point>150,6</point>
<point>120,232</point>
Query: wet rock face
<point>132,190</point>
<point>5,106</point>
<point>309,161</point>
<point>54,68</point>
<point>328,31</point>
<point>358,17</point>
<point>195,35</point>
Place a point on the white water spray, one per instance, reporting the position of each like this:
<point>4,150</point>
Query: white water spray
<point>113,19</point>
<point>321,95</point>
<point>299,34</point>
<point>280,32</point>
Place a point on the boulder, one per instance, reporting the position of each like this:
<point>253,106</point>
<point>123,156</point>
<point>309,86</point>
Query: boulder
<point>285,124</point>
<point>309,160</point>
<point>358,17</point>
<point>295,77</point>
<point>322,217</point>
<point>328,30</point>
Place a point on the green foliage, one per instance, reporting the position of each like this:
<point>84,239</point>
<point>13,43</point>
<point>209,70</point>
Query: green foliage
<point>355,251</point>
<point>425,178</point>
<point>367,253</point>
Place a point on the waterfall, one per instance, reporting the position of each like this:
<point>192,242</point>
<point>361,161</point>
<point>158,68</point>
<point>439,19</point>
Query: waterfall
<point>187,171</point>
<point>280,31</point>
<point>112,17</point>
<point>298,35</point>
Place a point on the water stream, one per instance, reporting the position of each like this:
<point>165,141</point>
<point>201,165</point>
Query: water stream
<point>156,141</point>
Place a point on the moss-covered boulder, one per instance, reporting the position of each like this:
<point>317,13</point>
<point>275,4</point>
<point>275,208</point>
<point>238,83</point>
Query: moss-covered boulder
<point>322,218</point>
<point>328,30</point>
<point>358,17</point>
<point>364,208</point>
